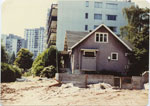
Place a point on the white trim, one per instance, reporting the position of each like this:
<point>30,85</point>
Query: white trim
<point>108,30</point>
<point>116,55</point>
<point>103,37</point>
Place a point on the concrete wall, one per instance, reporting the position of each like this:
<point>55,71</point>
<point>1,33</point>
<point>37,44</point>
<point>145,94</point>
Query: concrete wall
<point>104,51</point>
<point>71,16</point>
<point>81,80</point>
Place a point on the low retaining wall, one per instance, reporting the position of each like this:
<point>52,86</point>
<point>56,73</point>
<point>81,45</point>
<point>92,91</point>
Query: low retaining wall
<point>81,80</point>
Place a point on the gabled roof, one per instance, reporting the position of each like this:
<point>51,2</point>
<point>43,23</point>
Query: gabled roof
<point>102,25</point>
<point>74,36</point>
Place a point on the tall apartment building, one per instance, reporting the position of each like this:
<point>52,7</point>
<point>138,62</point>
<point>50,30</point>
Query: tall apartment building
<point>84,15</point>
<point>12,43</point>
<point>35,40</point>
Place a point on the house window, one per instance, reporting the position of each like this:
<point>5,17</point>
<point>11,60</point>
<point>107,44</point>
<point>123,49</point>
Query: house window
<point>86,15</point>
<point>87,3</point>
<point>95,26</point>
<point>98,4</point>
<point>112,17</point>
<point>101,37</point>
<point>114,29</point>
<point>111,6</point>
<point>86,27</point>
<point>98,16</point>
<point>89,54</point>
<point>114,56</point>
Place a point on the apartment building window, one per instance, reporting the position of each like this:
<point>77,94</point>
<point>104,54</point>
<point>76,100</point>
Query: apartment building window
<point>95,26</point>
<point>113,28</point>
<point>101,37</point>
<point>112,17</point>
<point>111,6</point>
<point>86,15</point>
<point>114,56</point>
<point>87,3</point>
<point>98,16</point>
<point>98,4</point>
<point>86,27</point>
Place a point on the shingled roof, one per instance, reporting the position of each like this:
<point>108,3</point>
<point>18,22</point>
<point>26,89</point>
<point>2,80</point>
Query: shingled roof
<point>72,37</point>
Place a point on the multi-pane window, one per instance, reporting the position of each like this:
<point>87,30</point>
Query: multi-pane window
<point>98,4</point>
<point>114,56</point>
<point>86,27</point>
<point>89,54</point>
<point>87,3</point>
<point>113,28</point>
<point>98,16</point>
<point>86,15</point>
<point>111,6</point>
<point>112,17</point>
<point>101,37</point>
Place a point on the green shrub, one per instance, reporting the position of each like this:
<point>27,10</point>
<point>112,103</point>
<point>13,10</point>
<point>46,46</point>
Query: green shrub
<point>18,71</point>
<point>38,70</point>
<point>38,67</point>
<point>45,59</point>
<point>7,73</point>
<point>28,73</point>
<point>48,72</point>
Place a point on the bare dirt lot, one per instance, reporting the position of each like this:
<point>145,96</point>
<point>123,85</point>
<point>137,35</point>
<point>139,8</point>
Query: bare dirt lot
<point>41,93</point>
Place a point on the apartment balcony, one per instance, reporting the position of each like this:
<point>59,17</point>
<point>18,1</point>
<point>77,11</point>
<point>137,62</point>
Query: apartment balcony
<point>52,25</point>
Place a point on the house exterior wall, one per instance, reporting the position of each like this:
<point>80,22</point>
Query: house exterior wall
<point>71,16</point>
<point>104,50</point>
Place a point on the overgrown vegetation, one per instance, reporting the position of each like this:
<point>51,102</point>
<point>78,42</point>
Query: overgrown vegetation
<point>45,59</point>
<point>137,32</point>
<point>4,55</point>
<point>24,59</point>
<point>9,73</point>
<point>48,72</point>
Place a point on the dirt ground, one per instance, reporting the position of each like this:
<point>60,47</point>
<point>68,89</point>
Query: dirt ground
<point>37,92</point>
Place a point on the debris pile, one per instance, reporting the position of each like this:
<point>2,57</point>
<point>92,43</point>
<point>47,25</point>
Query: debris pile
<point>100,86</point>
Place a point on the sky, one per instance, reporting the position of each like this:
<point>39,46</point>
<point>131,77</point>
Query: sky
<point>16,15</point>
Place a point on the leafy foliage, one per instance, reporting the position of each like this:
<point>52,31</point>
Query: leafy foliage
<point>47,58</point>
<point>48,72</point>
<point>9,73</point>
<point>137,33</point>
<point>4,55</point>
<point>18,71</point>
<point>24,59</point>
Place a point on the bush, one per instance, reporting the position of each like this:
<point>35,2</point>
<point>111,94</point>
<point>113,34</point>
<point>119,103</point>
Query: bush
<point>18,71</point>
<point>48,72</point>
<point>45,59</point>
<point>7,73</point>
<point>28,73</point>
<point>38,67</point>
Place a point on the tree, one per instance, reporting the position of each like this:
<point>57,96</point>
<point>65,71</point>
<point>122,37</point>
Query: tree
<point>12,58</point>
<point>24,59</point>
<point>45,59</point>
<point>137,32</point>
<point>4,55</point>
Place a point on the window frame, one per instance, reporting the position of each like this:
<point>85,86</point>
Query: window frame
<point>86,16</point>
<point>111,19</point>
<point>98,4</point>
<point>84,52</point>
<point>86,27</point>
<point>97,18</point>
<point>86,3</point>
<point>112,55</point>
<point>101,33</point>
